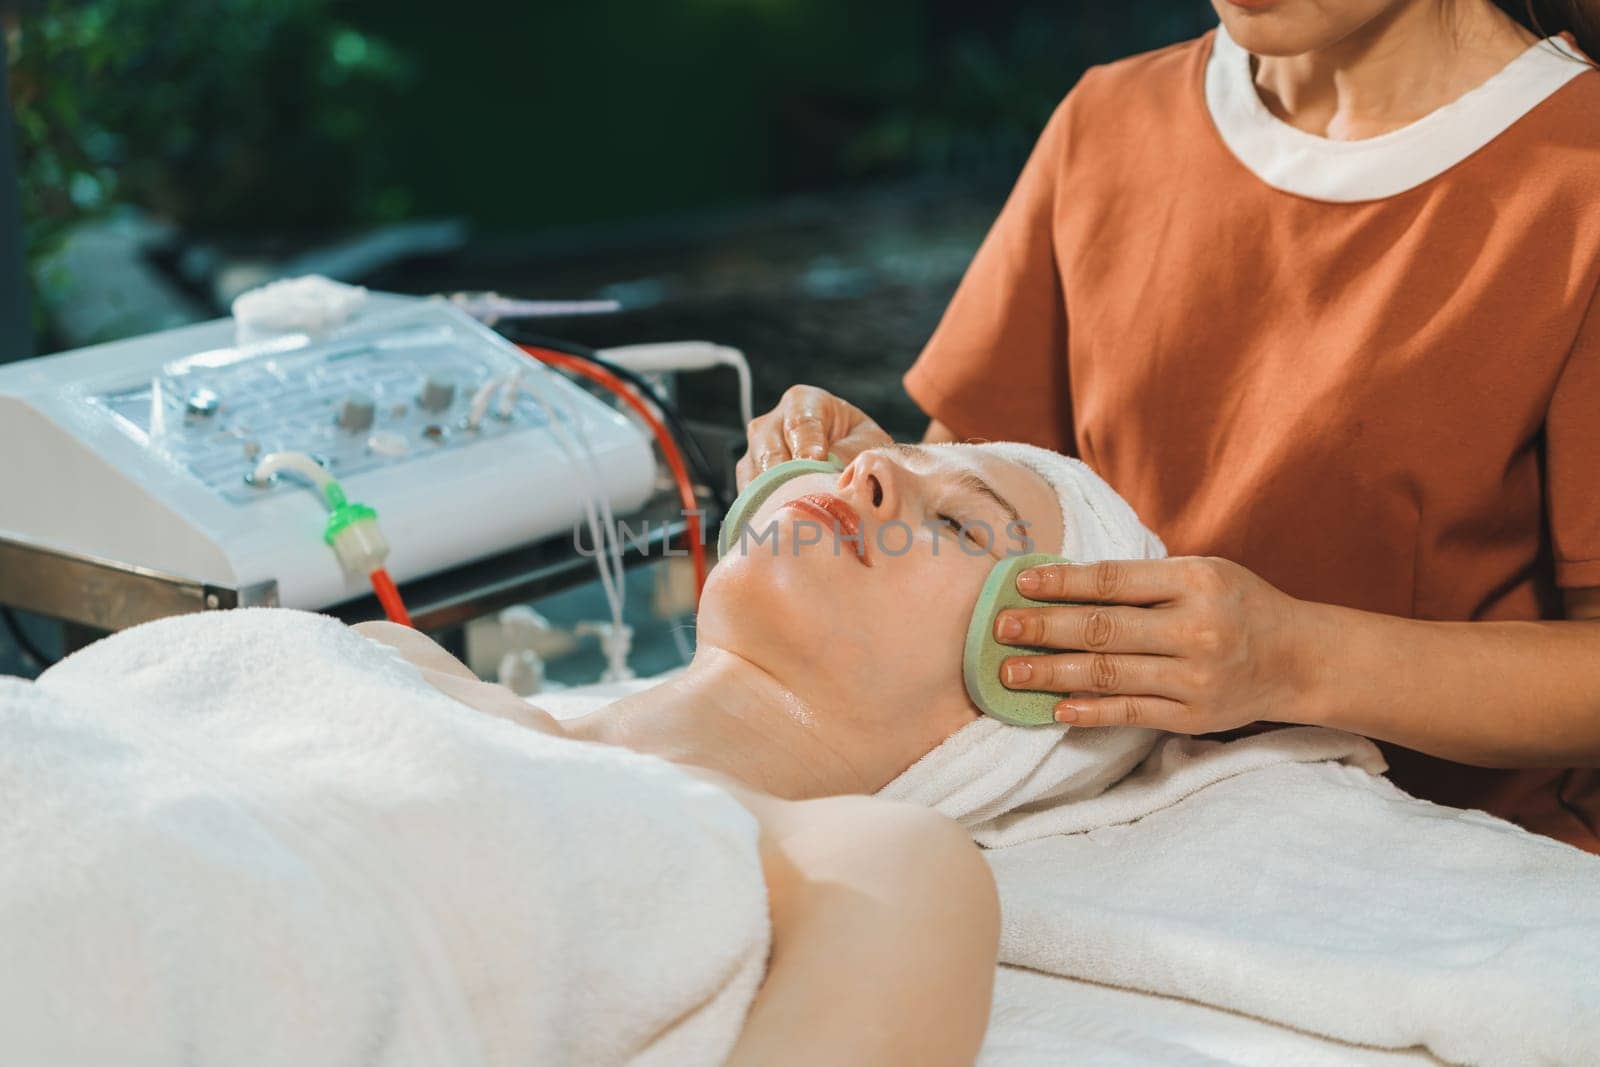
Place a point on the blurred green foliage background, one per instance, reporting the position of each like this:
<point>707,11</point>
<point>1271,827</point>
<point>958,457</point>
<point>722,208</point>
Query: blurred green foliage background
<point>217,115</point>
<point>310,116</point>
<point>802,179</point>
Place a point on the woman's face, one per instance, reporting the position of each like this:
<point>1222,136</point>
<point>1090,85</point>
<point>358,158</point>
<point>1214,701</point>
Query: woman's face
<point>857,587</point>
<point>1295,27</point>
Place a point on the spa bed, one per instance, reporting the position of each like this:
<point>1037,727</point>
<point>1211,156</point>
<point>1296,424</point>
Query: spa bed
<point>1480,944</point>
<point>1041,1020</point>
<point>1038,1019</point>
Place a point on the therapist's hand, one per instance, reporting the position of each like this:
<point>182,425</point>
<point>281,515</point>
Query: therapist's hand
<point>808,423</point>
<point>1192,644</point>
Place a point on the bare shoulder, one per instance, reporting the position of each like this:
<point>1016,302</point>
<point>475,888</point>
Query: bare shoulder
<point>879,847</point>
<point>455,679</point>
<point>849,829</point>
<point>891,851</point>
<point>876,830</point>
<point>414,646</point>
<point>885,928</point>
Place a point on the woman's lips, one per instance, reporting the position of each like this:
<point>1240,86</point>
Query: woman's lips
<point>835,515</point>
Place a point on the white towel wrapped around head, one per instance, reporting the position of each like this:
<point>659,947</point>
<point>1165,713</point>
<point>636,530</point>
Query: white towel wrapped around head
<point>1098,523</point>
<point>988,768</point>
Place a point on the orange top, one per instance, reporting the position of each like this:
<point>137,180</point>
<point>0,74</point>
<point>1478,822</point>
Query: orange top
<point>1391,404</point>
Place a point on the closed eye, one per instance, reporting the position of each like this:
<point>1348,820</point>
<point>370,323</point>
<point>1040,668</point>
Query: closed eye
<point>960,528</point>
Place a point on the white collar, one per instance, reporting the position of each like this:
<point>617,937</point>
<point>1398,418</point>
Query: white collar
<point>1373,168</point>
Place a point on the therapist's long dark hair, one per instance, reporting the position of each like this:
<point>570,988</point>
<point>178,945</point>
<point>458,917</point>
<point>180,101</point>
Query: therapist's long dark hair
<point>1581,18</point>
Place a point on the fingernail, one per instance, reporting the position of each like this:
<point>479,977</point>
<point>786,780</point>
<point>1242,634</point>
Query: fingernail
<point>1018,673</point>
<point>1007,628</point>
<point>1067,713</point>
<point>1027,581</point>
<point>816,451</point>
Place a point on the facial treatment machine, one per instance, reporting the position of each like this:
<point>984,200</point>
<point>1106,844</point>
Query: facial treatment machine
<point>133,465</point>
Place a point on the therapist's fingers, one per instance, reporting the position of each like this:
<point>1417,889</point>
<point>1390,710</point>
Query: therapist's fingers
<point>800,427</point>
<point>1095,627</point>
<point>805,424</point>
<point>1111,581</point>
<point>1157,713</point>
<point>808,423</point>
<point>1097,673</point>
<point>743,471</point>
<point>865,435</point>
<point>767,447</point>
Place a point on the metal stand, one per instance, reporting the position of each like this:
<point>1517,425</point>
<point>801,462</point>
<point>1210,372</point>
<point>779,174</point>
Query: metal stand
<point>105,595</point>
<point>94,596</point>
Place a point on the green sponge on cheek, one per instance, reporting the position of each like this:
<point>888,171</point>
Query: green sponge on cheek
<point>763,486</point>
<point>981,659</point>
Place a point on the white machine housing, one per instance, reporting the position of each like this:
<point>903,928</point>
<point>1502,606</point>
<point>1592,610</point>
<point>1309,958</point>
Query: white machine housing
<point>137,452</point>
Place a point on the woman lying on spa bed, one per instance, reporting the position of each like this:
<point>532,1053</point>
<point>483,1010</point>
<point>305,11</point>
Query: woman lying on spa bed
<point>793,695</point>
<point>296,847</point>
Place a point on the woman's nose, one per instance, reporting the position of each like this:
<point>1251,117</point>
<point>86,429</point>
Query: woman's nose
<point>875,484</point>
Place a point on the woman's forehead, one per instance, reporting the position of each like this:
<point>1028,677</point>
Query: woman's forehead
<point>1036,501</point>
<point>1034,498</point>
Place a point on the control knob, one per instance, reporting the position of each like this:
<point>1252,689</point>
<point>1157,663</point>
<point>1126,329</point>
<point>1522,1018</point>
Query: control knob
<point>437,394</point>
<point>202,403</point>
<point>356,413</point>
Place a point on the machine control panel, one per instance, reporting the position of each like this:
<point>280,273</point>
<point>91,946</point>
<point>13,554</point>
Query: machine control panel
<point>139,452</point>
<point>381,392</point>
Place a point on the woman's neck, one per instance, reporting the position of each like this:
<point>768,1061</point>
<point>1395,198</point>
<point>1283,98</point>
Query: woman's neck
<point>728,715</point>
<point>1408,62</point>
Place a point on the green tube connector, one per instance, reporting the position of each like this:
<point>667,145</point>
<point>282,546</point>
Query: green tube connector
<point>352,532</point>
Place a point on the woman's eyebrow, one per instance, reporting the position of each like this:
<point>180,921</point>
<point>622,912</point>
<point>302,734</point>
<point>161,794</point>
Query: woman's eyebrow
<point>974,484</point>
<point>965,479</point>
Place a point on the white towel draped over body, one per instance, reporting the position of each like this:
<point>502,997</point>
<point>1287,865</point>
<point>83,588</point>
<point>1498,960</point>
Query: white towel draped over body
<point>259,838</point>
<point>1281,877</point>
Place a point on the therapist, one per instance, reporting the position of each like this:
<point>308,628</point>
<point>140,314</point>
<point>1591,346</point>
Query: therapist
<point>1316,292</point>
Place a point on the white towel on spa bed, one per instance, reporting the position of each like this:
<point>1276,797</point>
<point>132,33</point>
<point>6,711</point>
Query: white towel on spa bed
<point>259,838</point>
<point>1044,1020</point>
<point>1278,876</point>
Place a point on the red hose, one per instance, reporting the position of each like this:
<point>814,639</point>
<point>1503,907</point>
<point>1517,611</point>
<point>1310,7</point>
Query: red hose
<point>669,447</point>
<point>389,597</point>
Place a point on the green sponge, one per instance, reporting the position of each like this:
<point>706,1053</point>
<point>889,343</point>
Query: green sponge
<point>981,659</point>
<point>763,486</point>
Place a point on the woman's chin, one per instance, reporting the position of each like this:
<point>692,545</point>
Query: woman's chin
<point>789,606</point>
<point>795,566</point>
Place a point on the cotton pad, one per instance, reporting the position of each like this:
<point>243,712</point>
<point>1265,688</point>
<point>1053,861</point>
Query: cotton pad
<point>982,656</point>
<point>763,486</point>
